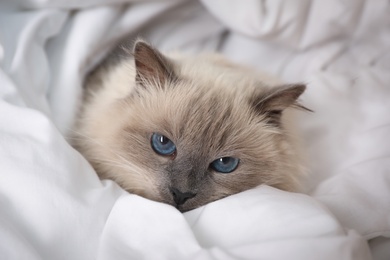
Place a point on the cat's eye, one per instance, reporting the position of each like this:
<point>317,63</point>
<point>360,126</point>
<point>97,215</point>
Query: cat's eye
<point>225,164</point>
<point>162,145</point>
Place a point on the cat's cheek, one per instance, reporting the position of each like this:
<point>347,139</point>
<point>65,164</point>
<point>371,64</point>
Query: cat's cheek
<point>226,183</point>
<point>235,182</point>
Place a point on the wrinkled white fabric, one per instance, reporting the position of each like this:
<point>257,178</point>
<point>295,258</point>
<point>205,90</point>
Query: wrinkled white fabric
<point>53,206</point>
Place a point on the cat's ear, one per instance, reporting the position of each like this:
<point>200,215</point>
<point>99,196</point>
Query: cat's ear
<point>274,101</point>
<point>152,67</point>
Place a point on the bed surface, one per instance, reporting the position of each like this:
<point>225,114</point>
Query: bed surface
<point>52,204</point>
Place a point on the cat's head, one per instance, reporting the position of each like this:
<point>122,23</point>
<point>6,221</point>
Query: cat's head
<point>189,134</point>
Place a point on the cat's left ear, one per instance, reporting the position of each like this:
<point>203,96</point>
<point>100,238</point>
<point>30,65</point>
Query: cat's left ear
<point>152,67</point>
<point>274,101</point>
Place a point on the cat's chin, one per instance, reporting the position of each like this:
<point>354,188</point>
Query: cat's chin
<point>186,209</point>
<point>166,198</point>
<point>182,208</point>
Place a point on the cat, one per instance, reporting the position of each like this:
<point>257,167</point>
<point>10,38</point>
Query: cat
<point>187,130</point>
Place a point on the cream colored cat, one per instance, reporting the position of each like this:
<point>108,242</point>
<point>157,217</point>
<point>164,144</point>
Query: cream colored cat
<point>187,130</point>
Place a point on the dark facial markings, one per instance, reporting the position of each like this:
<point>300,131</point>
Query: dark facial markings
<point>188,173</point>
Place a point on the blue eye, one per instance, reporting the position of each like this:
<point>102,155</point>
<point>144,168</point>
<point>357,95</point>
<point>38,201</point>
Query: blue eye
<point>162,145</point>
<point>225,164</point>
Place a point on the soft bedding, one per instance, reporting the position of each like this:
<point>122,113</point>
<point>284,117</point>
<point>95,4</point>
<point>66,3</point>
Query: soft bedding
<point>52,204</point>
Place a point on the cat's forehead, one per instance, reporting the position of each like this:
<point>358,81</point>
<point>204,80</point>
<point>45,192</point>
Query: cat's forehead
<point>209,102</point>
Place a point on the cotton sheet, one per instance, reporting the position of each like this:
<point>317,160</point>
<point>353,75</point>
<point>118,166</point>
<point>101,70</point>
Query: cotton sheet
<point>52,204</point>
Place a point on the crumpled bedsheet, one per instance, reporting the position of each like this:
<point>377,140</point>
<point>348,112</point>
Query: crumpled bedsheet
<point>52,204</point>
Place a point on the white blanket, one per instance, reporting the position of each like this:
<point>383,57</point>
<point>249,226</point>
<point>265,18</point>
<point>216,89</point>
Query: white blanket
<point>53,206</point>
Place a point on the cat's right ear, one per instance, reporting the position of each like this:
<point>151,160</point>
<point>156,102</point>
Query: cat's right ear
<point>152,67</point>
<point>273,102</point>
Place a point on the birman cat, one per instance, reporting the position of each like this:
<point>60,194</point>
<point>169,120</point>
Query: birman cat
<point>187,130</point>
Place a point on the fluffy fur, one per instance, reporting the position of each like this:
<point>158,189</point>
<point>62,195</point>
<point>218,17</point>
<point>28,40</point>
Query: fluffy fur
<point>209,107</point>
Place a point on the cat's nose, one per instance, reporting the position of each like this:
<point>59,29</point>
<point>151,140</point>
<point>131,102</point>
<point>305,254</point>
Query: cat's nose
<point>181,197</point>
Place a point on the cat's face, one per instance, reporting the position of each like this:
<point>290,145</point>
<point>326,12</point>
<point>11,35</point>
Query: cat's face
<point>187,142</point>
